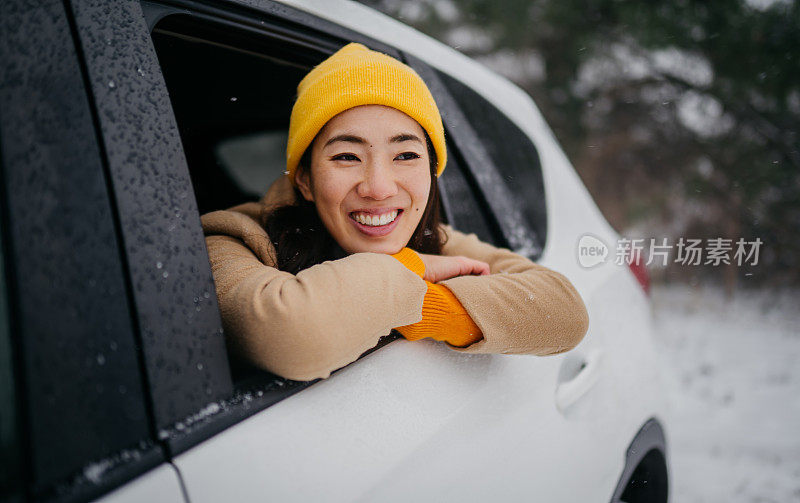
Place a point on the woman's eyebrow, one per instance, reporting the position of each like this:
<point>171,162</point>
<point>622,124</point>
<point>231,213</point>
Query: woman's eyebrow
<point>405,137</point>
<point>357,139</point>
<point>344,137</point>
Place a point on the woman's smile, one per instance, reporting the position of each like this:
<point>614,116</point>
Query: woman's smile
<point>377,221</point>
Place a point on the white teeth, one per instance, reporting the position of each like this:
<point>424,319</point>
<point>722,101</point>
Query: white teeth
<point>375,220</point>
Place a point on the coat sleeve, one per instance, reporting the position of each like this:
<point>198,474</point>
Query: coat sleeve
<point>521,307</point>
<point>305,326</point>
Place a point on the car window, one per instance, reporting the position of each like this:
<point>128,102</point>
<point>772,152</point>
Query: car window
<point>254,160</point>
<point>465,212</point>
<point>9,433</point>
<point>232,96</point>
<point>514,154</point>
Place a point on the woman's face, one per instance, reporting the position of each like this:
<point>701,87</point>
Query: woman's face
<point>370,178</point>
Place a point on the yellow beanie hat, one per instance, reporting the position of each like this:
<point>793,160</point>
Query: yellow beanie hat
<point>352,76</point>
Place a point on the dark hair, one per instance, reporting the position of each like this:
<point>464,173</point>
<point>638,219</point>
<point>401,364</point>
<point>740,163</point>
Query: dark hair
<point>301,239</point>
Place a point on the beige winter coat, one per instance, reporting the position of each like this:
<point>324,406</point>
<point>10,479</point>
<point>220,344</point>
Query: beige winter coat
<point>305,326</point>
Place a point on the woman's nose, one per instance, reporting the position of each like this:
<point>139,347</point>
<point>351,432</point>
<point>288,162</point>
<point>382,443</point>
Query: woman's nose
<point>378,182</point>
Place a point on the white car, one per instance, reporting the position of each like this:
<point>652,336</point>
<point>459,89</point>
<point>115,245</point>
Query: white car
<point>122,122</point>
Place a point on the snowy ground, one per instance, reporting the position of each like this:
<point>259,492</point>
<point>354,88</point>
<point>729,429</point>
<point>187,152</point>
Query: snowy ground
<point>733,374</point>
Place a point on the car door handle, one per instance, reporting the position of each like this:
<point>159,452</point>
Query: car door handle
<point>569,391</point>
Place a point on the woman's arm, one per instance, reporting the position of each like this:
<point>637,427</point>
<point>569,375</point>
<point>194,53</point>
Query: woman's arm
<point>521,307</point>
<point>307,325</point>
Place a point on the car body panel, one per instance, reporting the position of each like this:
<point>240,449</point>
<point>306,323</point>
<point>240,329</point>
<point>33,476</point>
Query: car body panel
<point>417,413</point>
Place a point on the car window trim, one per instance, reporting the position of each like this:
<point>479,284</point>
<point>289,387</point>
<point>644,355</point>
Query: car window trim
<point>20,181</point>
<point>487,180</point>
<point>180,327</point>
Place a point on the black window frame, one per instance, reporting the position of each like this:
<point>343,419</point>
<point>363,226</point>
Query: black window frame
<point>84,415</point>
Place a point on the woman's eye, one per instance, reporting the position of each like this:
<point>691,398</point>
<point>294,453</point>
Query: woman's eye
<point>351,157</point>
<point>414,154</point>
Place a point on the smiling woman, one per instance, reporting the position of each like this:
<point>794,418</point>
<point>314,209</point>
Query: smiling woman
<point>349,245</point>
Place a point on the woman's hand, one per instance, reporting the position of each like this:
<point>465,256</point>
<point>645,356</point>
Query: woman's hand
<point>442,267</point>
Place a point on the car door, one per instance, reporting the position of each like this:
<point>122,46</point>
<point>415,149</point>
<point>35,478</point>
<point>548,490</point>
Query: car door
<point>416,408</point>
<point>75,422</point>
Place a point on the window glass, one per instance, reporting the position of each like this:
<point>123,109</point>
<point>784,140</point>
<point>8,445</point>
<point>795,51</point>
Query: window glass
<point>232,95</point>
<point>255,160</point>
<point>464,210</point>
<point>513,153</point>
<point>9,439</point>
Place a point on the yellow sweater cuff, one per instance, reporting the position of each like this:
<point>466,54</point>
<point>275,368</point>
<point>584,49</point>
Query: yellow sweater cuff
<point>443,319</point>
<point>412,260</point>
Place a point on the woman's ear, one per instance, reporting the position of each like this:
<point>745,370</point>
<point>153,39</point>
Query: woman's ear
<point>301,178</point>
